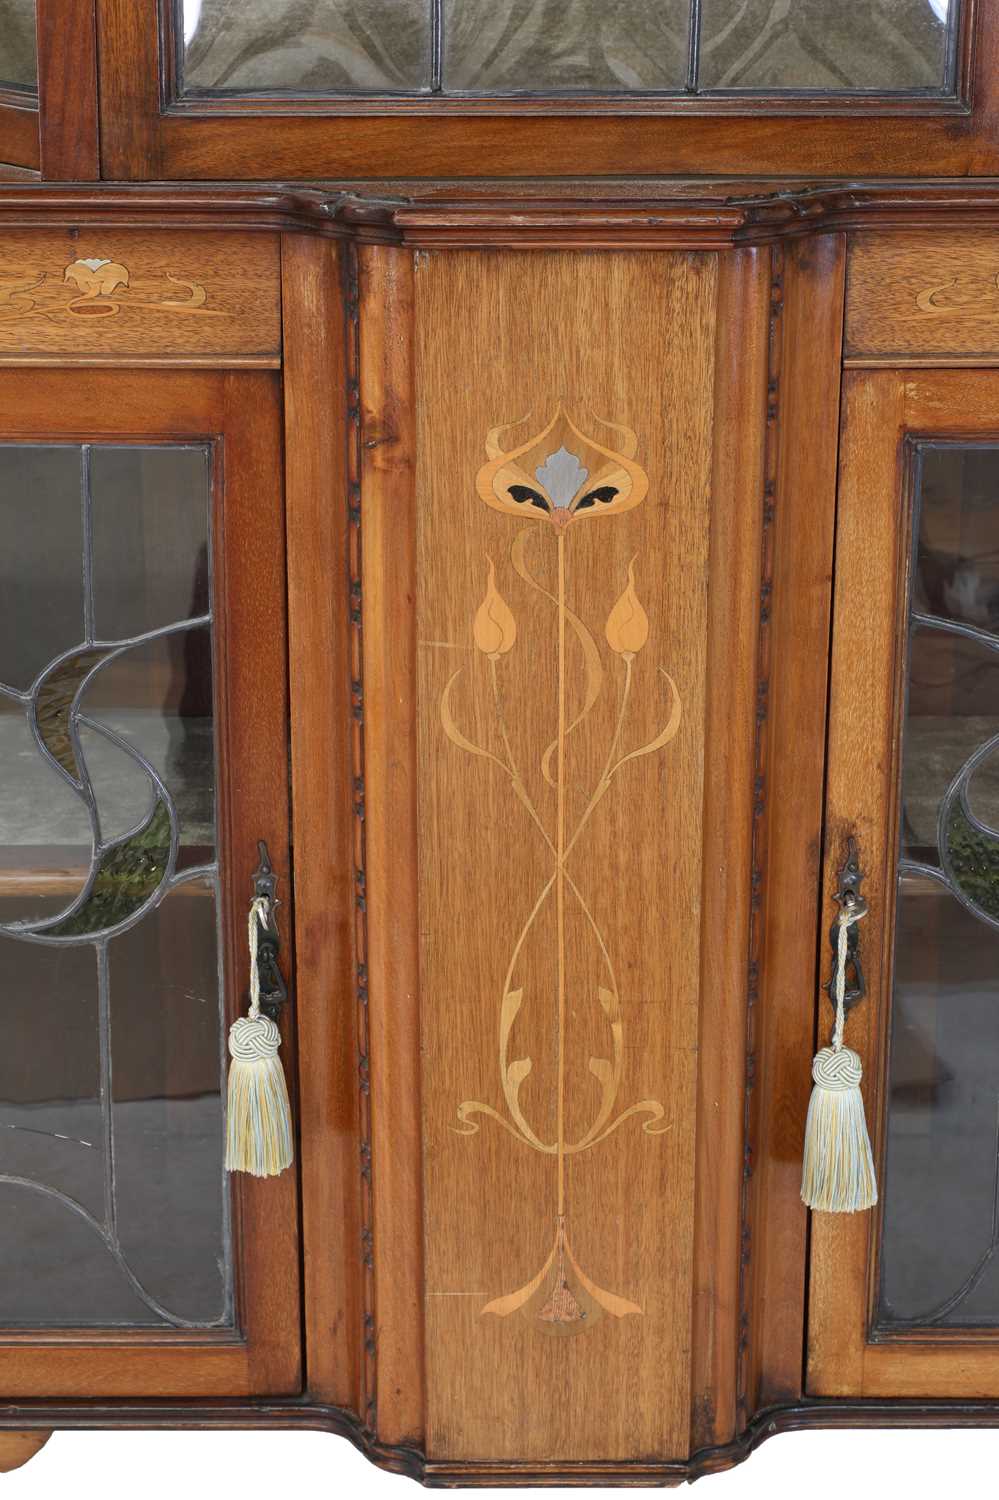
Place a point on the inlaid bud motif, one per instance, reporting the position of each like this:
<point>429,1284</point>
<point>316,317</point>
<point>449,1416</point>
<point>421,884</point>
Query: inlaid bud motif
<point>494,629</point>
<point>627,627</point>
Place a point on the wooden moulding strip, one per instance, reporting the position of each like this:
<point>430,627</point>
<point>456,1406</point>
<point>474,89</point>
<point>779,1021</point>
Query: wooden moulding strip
<point>315,333</point>
<point>388,704</point>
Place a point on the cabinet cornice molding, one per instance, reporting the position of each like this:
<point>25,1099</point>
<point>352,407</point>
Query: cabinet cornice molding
<point>668,213</point>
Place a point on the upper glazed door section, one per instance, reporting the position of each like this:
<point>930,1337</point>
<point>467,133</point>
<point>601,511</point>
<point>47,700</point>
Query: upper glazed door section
<point>564,48</point>
<point>362,90</point>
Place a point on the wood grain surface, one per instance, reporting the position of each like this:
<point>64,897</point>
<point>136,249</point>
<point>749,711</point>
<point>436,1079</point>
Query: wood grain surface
<point>16,1448</point>
<point>508,340</point>
<point>67,90</point>
<point>388,892</point>
<point>78,295</point>
<point>315,416</point>
<point>738,511</point>
<point>804,423</point>
<point>923,295</point>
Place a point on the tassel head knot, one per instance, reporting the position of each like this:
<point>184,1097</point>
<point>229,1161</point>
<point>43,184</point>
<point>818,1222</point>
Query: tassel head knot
<point>254,1039</point>
<point>837,1070</point>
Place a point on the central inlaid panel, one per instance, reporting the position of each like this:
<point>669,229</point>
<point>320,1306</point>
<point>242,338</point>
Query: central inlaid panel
<point>563,478</point>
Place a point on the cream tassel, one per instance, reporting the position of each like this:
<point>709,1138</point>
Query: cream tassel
<point>837,1174</point>
<point>258,1123</point>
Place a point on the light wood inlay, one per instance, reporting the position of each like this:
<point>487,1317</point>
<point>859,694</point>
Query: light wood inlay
<point>535,333</point>
<point>918,295</point>
<point>96,294</point>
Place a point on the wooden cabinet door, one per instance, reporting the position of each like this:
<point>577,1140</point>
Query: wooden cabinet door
<point>143,733</point>
<point>905,1300</point>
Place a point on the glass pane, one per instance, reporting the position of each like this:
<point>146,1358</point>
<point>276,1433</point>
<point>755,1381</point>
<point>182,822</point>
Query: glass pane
<point>18,59</point>
<point>308,46</point>
<point>111,1115</point>
<point>505,46</point>
<point>552,47</point>
<point>150,538</point>
<point>167,1106</point>
<point>941,1189</point>
<point>41,561</point>
<point>884,45</point>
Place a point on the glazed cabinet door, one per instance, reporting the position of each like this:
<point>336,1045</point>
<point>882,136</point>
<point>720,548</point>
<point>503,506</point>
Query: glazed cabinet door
<point>905,1299</point>
<point>142,726</point>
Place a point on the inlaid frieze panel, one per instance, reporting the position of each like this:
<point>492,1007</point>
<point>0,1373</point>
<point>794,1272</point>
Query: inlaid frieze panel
<point>85,295</point>
<point>912,296</point>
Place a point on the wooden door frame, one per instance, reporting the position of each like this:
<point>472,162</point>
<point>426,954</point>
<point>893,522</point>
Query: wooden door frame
<point>54,133</point>
<point>146,136</point>
<point>883,411</point>
<point>240,413</point>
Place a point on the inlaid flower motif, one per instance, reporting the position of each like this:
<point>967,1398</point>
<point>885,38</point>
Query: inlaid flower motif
<point>627,627</point>
<point>562,475</point>
<point>494,629</point>
<point>97,278</point>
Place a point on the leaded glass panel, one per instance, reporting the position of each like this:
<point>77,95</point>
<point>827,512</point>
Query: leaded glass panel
<point>564,47</point>
<point>940,1232</point>
<point>112,1193</point>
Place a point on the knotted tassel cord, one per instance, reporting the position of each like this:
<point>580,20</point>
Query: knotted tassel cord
<point>850,913</point>
<point>260,911</point>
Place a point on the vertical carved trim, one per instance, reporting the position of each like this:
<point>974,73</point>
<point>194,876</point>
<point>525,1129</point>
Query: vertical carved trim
<point>369,1350</point>
<point>760,767</point>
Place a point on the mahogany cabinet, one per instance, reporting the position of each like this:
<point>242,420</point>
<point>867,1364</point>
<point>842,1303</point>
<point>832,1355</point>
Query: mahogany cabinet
<point>543,584</point>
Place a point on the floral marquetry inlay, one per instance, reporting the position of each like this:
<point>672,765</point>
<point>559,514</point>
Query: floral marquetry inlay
<point>563,476</point>
<point>96,287</point>
<point>137,294</point>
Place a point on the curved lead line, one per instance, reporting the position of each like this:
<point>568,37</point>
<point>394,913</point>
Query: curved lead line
<point>941,1310</point>
<point>193,873</point>
<point>113,648</point>
<point>976,822</point>
<point>113,1249</point>
<point>957,627</point>
<point>37,934</point>
<point>953,791</point>
<point>83,788</point>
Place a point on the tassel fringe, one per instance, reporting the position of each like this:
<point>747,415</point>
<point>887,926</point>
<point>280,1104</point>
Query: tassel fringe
<point>258,1124</point>
<point>837,1175</point>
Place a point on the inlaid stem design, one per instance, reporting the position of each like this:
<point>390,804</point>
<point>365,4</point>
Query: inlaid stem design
<point>579,479</point>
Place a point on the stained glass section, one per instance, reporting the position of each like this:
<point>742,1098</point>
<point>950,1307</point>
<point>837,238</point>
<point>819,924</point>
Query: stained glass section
<point>113,1203</point>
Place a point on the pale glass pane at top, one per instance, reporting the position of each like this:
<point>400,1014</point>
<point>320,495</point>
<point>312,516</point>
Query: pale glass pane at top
<point>554,46</point>
<point>305,46</point>
<point>887,46</point>
<point>18,59</point>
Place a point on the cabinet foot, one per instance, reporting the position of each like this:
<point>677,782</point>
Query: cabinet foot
<point>17,1447</point>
